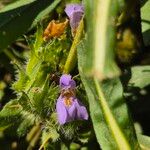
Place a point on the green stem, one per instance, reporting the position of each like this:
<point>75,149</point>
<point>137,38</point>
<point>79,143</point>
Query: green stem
<point>34,140</point>
<point>45,142</point>
<point>32,133</point>
<point>72,56</point>
<point>115,129</point>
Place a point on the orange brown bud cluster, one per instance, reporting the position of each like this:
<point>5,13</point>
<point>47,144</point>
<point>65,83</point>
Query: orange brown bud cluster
<point>54,29</point>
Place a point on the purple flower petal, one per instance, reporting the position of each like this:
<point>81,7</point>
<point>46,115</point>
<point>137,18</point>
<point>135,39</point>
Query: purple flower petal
<point>75,13</point>
<point>65,79</point>
<point>75,19</point>
<point>67,82</point>
<point>61,111</point>
<point>71,8</point>
<point>82,113</point>
<point>74,110</point>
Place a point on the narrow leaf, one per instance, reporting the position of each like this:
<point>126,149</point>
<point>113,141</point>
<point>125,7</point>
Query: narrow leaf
<point>111,120</point>
<point>100,17</point>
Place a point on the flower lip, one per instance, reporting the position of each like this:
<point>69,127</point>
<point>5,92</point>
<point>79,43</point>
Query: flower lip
<point>66,82</point>
<point>70,109</point>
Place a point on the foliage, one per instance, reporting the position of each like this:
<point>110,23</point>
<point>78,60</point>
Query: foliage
<point>107,42</point>
<point>145,22</point>
<point>140,76</point>
<point>19,12</point>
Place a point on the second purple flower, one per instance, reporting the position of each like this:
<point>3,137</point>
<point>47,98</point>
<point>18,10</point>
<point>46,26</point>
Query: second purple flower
<point>75,13</point>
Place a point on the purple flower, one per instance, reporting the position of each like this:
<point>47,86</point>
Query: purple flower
<point>75,13</point>
<point>68,107</point>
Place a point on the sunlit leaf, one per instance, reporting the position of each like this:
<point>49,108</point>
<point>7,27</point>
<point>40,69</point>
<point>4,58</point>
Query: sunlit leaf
<point>144,142</point>
<point>111,120</point>
<point>145,17</point>
<point>140,76</point>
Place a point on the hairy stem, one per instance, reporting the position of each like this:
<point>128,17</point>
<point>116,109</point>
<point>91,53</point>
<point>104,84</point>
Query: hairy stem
<point>72,56</point>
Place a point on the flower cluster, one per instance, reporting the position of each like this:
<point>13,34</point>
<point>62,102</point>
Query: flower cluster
<point>68,107</point>
<point>75,13</point>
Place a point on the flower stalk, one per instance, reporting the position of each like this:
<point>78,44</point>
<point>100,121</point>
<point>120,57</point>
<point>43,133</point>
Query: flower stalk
<point>72,56</point>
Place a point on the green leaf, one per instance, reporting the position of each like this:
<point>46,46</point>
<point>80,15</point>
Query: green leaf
<point>43,97</point>
<point>27,78</point>
<point>111,120</point>
<point>19,17</point>
<point>47,135</point>
<point>24,101</point>
<point>38,95</point>
<point>25,126</point>
<point>9,115</point>
<point>145,17</point>
<point>22,79</point>
<point>100,17</point>
<point>140,76</point>
<point>74,146</point>
<point>144,141</point>
<point>38,40</point>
